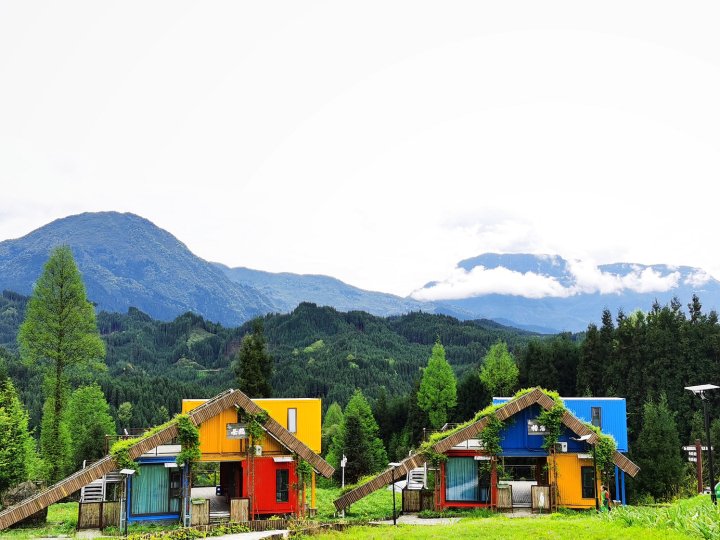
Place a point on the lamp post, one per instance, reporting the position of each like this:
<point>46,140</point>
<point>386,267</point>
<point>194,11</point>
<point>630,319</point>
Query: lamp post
<point>343,462</point>
<point>586,438</point>
<point>700,390</point>
<point>392,472</point>
<point>123,509</point>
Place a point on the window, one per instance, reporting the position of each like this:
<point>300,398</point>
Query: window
<point>588,482</point>
<point>292,421</point>
<point>466,480</point>
<point>156,490</point>
<point>596,416</point>
<point>282,481</point>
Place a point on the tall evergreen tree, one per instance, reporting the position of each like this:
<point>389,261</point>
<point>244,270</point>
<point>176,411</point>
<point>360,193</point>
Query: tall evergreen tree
<point>60,333</point>
<point>473,396</point>
<point>499,371</point>
<point>253,365</point>
<point>358,440</point>
<point>16,444</point>
<point>657,451</point>
<point>438,388</point>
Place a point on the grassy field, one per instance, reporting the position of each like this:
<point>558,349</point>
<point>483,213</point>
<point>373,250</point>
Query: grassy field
<point>61,521</point>
<point>694,518</point>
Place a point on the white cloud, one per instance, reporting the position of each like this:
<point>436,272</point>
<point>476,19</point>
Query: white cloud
<point>587,277</point>
<point>697,278</point>
<point>481,281</point>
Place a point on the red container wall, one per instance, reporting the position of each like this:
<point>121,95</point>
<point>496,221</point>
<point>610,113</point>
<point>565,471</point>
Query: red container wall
<point>264,499</point>
<point>443,503</point>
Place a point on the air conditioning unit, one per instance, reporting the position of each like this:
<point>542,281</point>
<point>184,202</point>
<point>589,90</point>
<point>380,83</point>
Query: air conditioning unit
<point>561,446</point>
<point>258,450</point>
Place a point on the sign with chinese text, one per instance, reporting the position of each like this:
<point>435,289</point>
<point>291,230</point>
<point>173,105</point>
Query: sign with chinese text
<point>535,428</point>
<point>236,431</point>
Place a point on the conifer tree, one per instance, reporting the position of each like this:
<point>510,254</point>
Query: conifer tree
<point>657,451</point>
<point>60,333</point>
<point>438,388</point>
<point>331,424</point>
<point>253,365</point>
<point>358,440</point>
<point>16,444</point>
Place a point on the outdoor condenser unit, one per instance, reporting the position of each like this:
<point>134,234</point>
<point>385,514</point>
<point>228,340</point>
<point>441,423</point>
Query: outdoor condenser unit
<point>561,446</point>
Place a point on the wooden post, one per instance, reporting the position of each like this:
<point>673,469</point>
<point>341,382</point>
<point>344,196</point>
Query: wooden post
<point>699,465</point>
<point>312,491</point>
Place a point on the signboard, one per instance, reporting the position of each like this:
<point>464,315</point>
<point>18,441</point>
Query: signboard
<point>482,458</point>
<point>535,428</point>
<point>692,448</point>
<point>236,431</point>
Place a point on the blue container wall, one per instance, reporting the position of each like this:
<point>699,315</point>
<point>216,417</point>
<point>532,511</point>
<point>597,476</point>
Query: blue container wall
<point>516,441</point>
<point>613,412</point>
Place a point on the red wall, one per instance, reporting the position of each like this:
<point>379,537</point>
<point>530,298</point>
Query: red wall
<point>264,496</point>
<point>442,503</point>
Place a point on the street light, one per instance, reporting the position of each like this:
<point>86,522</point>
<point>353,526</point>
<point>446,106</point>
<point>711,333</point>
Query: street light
<point>123,509</point>
<point>586,438</point>
<point>392,472</point>
<point>699,390</point>
<point>343,462</point>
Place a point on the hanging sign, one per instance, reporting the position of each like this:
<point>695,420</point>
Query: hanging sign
<point>236,431</point>
<point>536,428</point>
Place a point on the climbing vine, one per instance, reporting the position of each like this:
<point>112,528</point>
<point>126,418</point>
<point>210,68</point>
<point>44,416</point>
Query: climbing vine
<point>189,439</point>
<point>605,448</point>
<point>253,427</point>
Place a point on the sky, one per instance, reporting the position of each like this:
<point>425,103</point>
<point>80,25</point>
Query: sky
<point>376,142</point>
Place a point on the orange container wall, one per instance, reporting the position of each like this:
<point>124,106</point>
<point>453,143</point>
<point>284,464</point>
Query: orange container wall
<point>309,421</point>
<point>570,482</point>
<point>215,446</point>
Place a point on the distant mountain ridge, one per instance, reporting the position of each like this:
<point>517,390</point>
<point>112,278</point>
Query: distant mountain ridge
<point>127,261</point>
<point>574,293</point>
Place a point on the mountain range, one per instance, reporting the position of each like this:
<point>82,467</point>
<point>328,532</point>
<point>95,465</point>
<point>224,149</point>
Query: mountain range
<point>127,261</point>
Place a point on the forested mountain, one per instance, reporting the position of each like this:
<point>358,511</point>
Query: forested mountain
<point>318,352</point>
<point>127,261</point>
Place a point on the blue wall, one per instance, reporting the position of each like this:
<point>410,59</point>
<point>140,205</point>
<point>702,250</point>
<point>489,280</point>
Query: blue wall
<point>516,441</point>
<point>614,422</point>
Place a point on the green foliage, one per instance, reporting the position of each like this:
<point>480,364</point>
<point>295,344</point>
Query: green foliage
<point>357,438</point>
<point>253,365</point>
<point>89,420</point>
<point>189,439</point>
<point>658,451</point>
<point>552,420</point>
<point>438,392</point>
<point>59,332</point>
<point>124,414</point>
<point>16,445</point>
<point>499,371</point>
<point>331,424</point>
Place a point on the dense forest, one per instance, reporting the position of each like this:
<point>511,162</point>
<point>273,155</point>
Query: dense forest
<point>646,357</point>
<point>318,352</point>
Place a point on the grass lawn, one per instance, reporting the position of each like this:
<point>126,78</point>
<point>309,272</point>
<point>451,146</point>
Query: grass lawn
<point>61,520</point>
<point>501,528</point>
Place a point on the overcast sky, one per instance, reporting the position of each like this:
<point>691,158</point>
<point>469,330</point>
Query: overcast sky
<point>377,142</point>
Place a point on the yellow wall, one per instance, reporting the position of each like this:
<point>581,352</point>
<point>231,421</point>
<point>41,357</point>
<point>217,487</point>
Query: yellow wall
<point>215,446</point>
<point>309,421</point>
<point>569,481</point>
